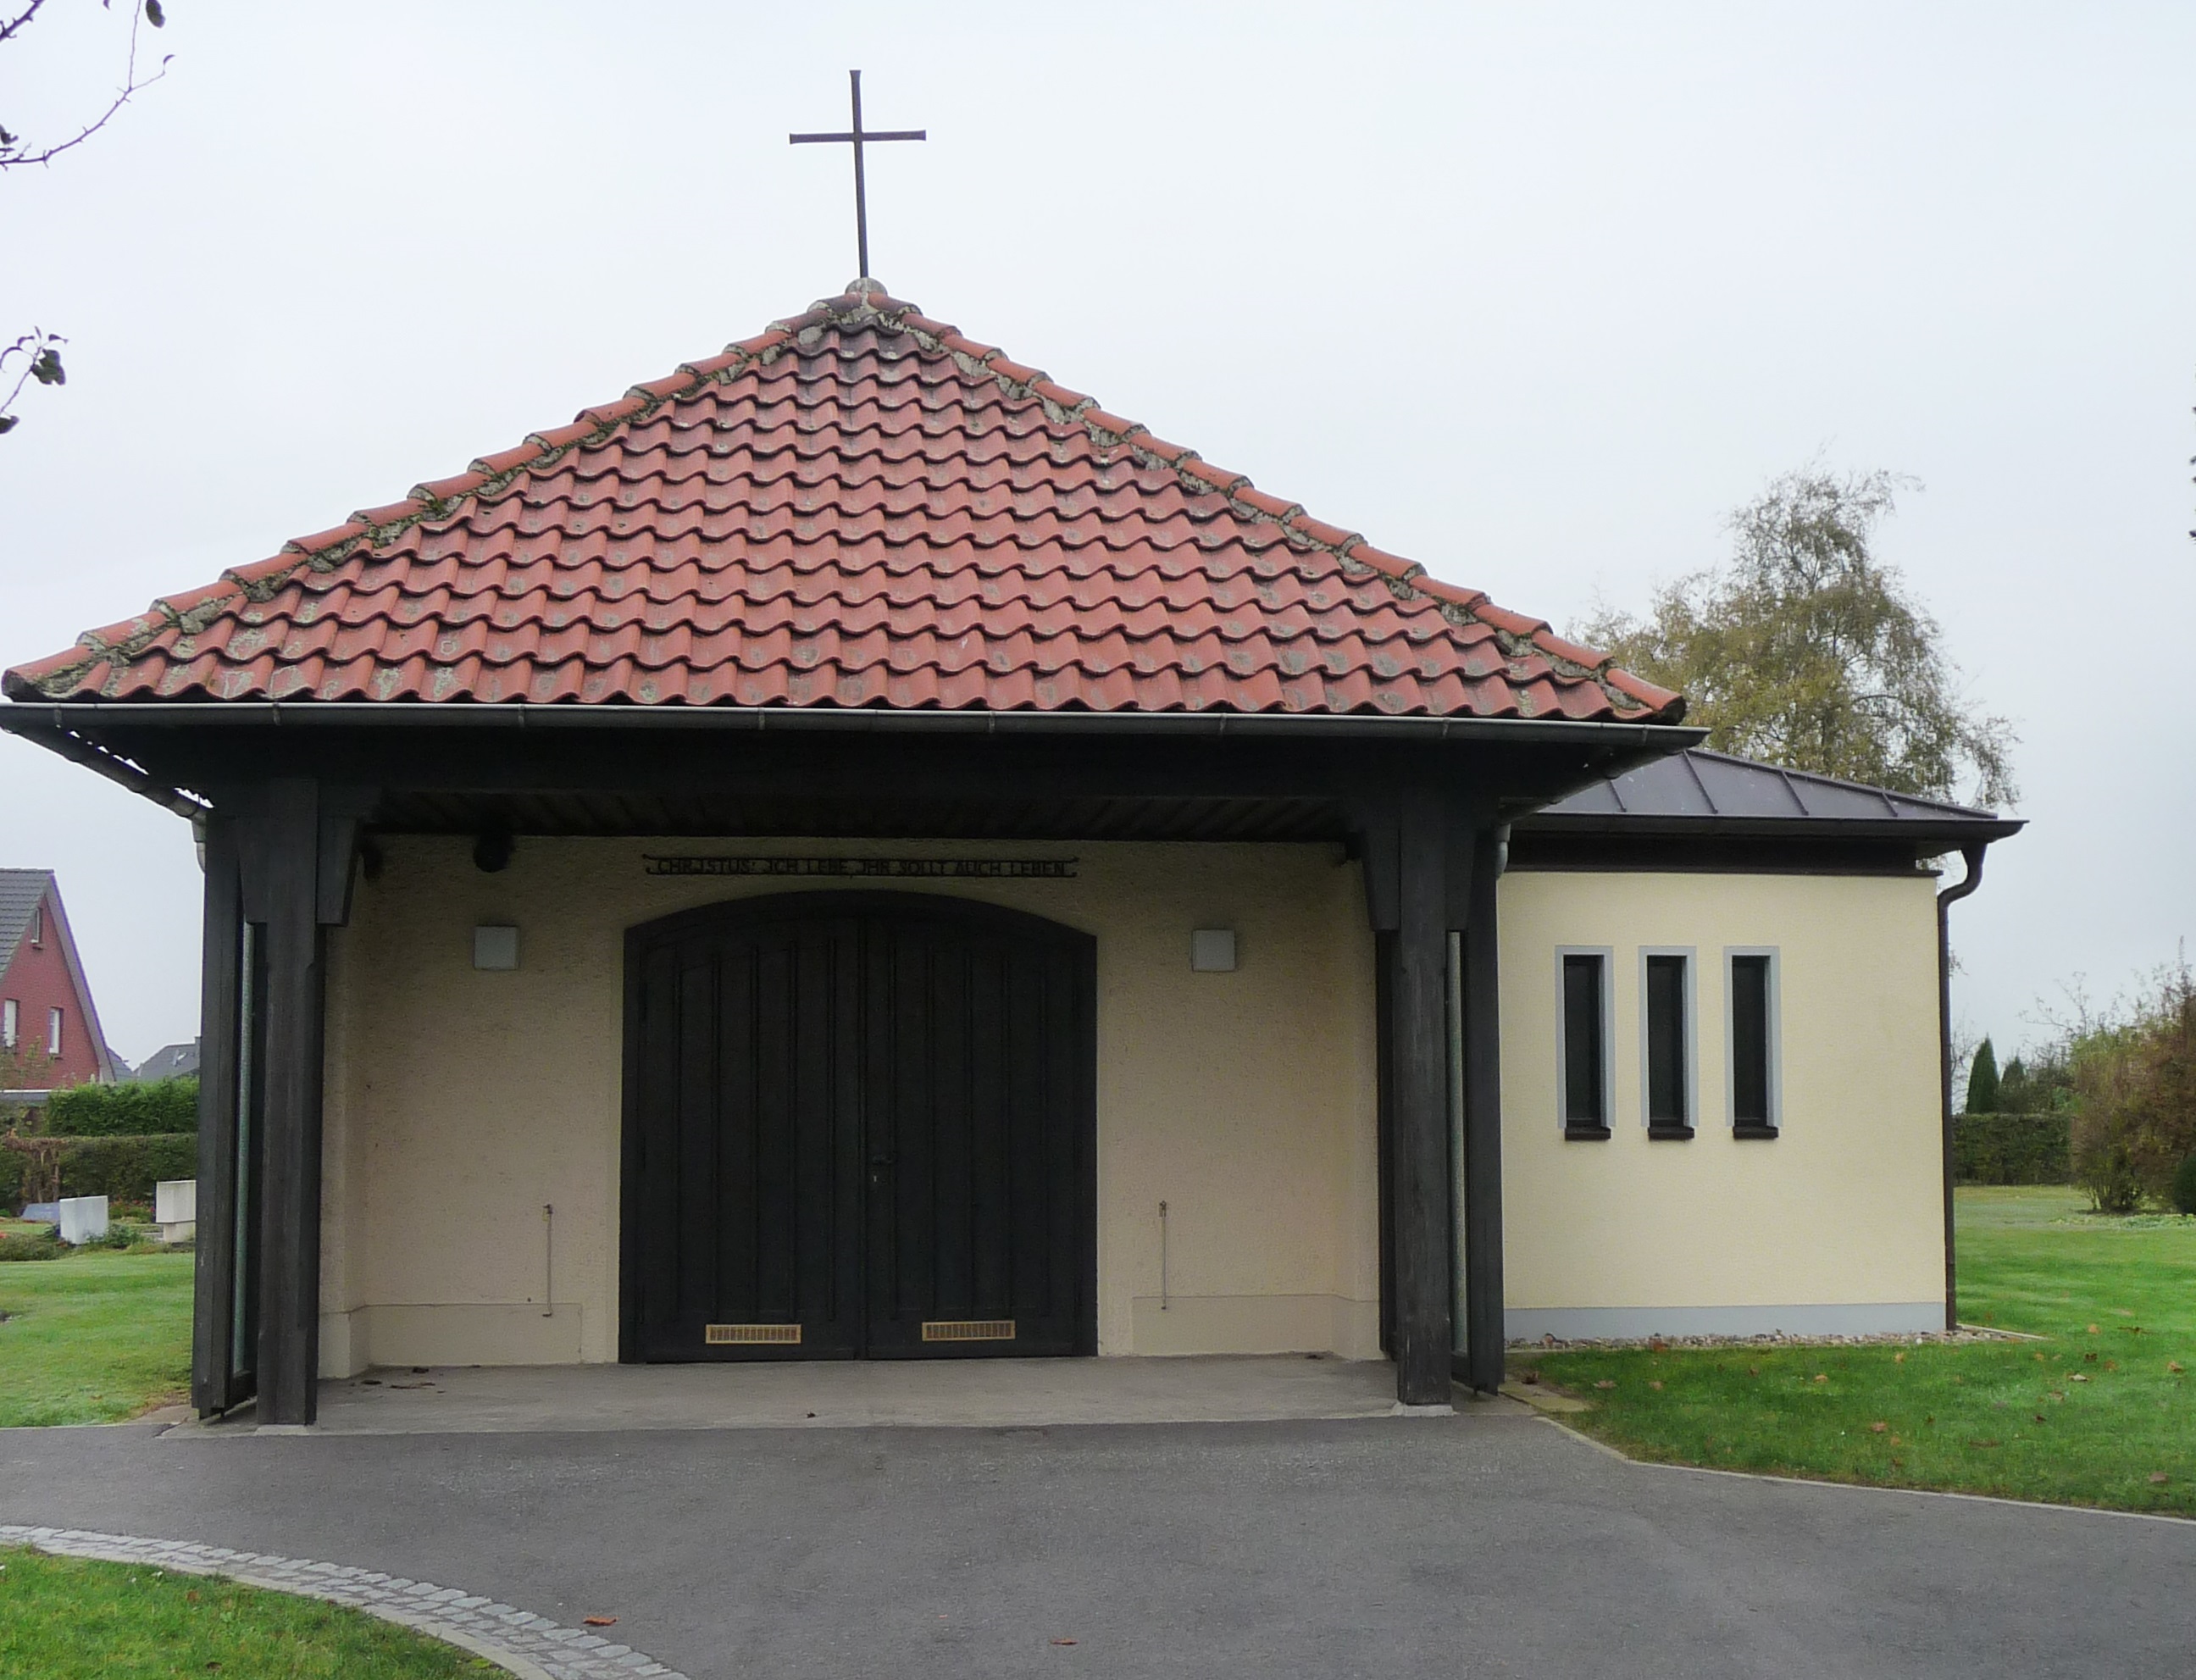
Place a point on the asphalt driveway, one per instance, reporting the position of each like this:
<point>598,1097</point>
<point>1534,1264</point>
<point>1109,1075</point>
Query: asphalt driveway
<point>1432,1546</point>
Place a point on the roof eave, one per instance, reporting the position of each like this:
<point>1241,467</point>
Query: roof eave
<point>36,719</point>
<point>1950,831</point>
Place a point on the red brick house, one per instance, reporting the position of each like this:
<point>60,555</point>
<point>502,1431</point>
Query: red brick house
<point>45,1002</point>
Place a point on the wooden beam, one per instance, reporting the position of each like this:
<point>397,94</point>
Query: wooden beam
<point>1482,1165</point>
<point>290,1210</point>
<point>214,1295</point>
<point>1418,1123</point>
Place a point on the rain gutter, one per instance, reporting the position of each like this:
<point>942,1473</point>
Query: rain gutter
<point>72,715</point>
<point>1973,853</point>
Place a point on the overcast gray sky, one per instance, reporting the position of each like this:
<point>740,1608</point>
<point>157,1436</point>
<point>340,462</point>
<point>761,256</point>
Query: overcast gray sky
<point>1534,295</point>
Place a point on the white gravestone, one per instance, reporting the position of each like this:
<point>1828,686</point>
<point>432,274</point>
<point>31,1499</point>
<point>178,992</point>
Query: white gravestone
<point>176,1209</point>
<point>83,1218</point>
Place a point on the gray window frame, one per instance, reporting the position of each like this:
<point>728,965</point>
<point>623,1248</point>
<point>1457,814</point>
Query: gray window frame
<point>1608,955</point>
<point>1775,1025</point>
<point>1691,1036</point>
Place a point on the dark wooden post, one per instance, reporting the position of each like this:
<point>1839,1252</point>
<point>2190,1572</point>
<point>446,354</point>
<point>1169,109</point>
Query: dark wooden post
<point>219,980</point>
<point>290,1210</point>
<point>1482,1118</point>
<point>1418,1120</point>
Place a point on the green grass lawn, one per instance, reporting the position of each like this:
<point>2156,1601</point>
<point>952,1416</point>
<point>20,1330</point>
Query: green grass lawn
<point>2101,1412</point>
<point>66,1619</point>
<point>93,1337</point>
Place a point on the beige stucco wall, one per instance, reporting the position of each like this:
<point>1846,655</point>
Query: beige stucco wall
<point>459,1103</point>
<point>1835,1224</point>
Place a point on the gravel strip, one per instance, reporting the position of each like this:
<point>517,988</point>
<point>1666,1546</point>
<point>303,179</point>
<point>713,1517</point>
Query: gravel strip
<point>1549,1344</point>
<point>520,1642</point>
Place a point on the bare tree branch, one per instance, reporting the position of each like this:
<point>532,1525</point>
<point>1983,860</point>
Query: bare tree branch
<point>7,30</point>
<point>13,152</point>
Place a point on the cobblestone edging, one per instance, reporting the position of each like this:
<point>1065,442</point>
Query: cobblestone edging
<point>526,1644</point>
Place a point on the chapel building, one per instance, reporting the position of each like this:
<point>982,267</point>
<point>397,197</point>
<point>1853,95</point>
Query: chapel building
<point>854,850</point>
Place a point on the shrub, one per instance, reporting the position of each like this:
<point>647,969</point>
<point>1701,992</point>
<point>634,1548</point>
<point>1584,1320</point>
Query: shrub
<point>2135,1086</point>
<point>2184,1187</point>
<point>125,1169</point>
<point>1982,1081</point>
<point>2011,1148</point>
<point>44,1246</point>
<point>155,1107</point>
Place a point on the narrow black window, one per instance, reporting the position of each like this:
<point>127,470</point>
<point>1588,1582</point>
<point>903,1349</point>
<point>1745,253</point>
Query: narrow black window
<point>1585,1087</point>
<point>1752,1107</point>
<point>1667,1110</point>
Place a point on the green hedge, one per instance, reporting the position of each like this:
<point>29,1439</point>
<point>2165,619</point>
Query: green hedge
<point>2012,1148</point>
<point>155,1106</point>
<point>124,1169</point>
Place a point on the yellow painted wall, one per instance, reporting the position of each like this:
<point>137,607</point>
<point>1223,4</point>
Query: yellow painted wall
<point>459,1102</point>
<point>1843,1210</point>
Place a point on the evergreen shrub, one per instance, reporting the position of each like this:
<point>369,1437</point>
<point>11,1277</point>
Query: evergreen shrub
<point>125,1169</point>
<point>143,1110</point>
<point>43,1245</point>
<point>2012,1148</point>
<point>2184,1187</point>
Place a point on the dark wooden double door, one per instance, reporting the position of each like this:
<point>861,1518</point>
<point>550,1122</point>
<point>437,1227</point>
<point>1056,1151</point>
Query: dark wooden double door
<point>858,1124</point>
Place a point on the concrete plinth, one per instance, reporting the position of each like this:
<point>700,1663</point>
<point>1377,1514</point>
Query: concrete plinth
<point>988,1393</point>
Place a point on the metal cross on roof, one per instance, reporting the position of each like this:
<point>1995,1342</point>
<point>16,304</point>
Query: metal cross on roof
<point>857,137</point>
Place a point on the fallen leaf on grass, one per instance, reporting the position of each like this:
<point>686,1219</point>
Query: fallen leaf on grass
<point>1823,1377</point>
<point>2039,1418</point>
<point>1604,1383</point>
<point>1754,1371</point>
<point>1895,1442</point>
<point>1656,1383</point>
<point>2093,1329</point>
<point>1878,1428</point>
<point>2157,1478</point>
<point>2175,1366</point>
<point>598,1621</point>
<point>2078,1377</point>
<point>1898,1358</point>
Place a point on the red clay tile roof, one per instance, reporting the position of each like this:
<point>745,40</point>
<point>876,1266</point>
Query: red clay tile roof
<point>861,507</point>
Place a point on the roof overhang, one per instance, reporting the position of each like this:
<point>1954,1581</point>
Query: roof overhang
<point>1948,831</point>
<point>26,718</point>
<point>118,739</point>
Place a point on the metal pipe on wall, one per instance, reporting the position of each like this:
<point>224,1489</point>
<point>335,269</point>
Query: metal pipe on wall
<point>1945,900</point>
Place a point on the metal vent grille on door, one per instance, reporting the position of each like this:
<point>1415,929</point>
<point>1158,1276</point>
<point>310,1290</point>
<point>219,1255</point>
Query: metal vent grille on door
<point>717,1335</point>
<point>967,1329</point>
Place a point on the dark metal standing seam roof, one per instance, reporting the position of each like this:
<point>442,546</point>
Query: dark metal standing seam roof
<point>1701,791</point>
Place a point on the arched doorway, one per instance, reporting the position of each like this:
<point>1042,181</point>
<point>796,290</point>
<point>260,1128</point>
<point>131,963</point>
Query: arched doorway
<point>858,1125</point>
